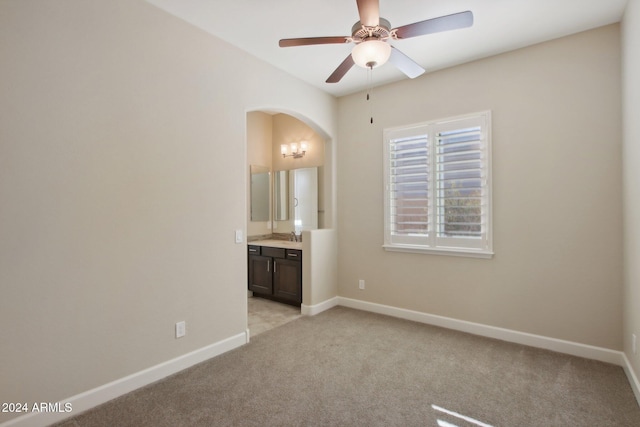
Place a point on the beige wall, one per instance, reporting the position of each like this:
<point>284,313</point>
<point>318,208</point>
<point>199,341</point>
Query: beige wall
<point>320,269</point>
<point>259,153</point>
<point>631,150</point>
<point>557,216</point>
<point>122,179</point>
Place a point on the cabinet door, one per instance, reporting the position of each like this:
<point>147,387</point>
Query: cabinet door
<point>287,280</point>
<point>260,274</point>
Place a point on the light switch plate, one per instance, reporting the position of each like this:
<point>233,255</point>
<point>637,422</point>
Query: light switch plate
<point>181,329</point>
<point>239,237</point>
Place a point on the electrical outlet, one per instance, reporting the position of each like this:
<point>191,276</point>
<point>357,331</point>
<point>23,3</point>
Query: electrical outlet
<point>361,284</point>
<point>181,329</point>
<point>634,346</point>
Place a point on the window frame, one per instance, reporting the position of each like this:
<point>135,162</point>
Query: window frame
<point>429,242</point>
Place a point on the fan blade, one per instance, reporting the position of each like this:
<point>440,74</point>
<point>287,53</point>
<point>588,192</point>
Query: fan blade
<point>435,25</point>
<point>312,40</point>
<point>369,11</point>
<point>341,70</point>
<point>405,64</point>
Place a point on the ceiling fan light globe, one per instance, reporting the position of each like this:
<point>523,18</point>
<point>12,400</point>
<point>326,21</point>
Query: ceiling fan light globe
<point>371,53</point>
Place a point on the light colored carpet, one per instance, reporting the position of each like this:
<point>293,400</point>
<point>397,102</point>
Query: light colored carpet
<point>345,367</point>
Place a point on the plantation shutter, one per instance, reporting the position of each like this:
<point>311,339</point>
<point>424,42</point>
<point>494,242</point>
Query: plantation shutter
<point>461,194</point>
<point>438,187</point>
<point>409,187</point>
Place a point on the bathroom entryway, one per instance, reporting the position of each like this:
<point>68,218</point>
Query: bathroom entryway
<point>265,314</point>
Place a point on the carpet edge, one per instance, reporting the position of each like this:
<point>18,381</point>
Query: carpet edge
<point>561,346</point>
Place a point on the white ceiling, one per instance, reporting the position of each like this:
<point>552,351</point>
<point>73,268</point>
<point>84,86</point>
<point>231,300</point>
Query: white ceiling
<point>499,26</point>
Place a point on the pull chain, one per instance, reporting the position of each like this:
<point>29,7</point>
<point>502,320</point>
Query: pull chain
<point>370,91</point>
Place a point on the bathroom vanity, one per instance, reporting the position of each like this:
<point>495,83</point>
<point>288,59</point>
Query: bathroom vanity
<point>275,270</point>
<point>283,203</point>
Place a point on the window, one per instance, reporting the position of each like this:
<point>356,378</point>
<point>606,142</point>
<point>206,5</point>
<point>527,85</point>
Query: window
<point>438,187</point>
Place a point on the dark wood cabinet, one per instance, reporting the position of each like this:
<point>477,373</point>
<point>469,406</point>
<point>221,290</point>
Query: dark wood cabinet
<point>260,276</point>
<point>276,273</point>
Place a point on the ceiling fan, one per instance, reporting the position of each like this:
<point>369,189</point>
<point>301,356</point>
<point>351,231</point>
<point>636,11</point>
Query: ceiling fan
<point>371,35</point>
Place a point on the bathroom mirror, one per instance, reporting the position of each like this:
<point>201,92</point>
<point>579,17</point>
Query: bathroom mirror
<point>260,185</point>
<point>304,198</point>
<point>296,199</point>
<point>281,195</point>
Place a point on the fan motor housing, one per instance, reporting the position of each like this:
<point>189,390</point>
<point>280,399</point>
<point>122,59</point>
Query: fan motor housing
<point>360,32</point>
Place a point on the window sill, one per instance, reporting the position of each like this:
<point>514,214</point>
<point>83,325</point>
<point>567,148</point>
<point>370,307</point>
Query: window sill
<point>469,253</point>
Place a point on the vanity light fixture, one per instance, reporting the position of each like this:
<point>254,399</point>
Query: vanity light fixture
<point>296,152</point>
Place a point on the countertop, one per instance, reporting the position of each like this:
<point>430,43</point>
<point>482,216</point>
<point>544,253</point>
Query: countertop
<point>286,244</point>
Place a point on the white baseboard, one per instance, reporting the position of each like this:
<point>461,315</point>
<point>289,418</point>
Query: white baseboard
<point>561,346</point>
<point>633,379</point>
<point>99,395</point>
<point>312,310</point>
